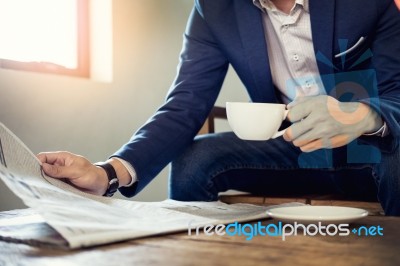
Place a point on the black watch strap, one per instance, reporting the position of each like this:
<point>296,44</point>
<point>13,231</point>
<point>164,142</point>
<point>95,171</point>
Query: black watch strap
<point>113,183</point>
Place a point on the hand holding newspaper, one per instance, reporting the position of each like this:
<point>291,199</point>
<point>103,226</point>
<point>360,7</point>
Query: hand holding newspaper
<point>85,220</point>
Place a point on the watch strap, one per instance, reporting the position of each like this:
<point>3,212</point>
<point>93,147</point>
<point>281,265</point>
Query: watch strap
<point>113,182</point>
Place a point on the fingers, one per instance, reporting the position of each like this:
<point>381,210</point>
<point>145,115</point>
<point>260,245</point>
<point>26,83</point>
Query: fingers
<point>62,164</point>
<point>298,101</point>
<point>42,157</point>
<point>304,140</point>
<point>58,171</point>
<point>299,110</point>
<point>298,129</point>
<point>334,142</point>
<point>314,138</point>
<point>53,157</point>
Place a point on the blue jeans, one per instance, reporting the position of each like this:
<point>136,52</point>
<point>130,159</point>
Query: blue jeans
<point>217,162</point>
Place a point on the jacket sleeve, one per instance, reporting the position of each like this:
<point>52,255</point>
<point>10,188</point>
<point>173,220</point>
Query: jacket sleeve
<point>386,62</point>
<point>201,71</point>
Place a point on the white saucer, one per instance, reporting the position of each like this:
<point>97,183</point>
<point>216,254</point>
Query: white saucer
<point>312,214</point>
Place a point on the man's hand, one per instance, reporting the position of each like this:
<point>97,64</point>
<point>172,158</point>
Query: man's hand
<point>77,171</point>
<point>324,122</point>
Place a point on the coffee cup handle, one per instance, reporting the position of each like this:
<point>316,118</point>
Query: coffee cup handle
<point>280,133</point>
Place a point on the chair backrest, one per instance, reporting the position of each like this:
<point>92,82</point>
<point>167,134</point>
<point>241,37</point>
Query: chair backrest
<point>209,124</point>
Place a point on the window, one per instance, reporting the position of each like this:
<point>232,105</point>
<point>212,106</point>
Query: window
<point>49,36</point>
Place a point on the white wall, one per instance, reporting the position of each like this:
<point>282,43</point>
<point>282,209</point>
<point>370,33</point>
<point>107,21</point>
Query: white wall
<point>50,112</point>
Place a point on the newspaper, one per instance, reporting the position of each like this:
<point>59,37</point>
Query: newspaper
<point>85,220</point>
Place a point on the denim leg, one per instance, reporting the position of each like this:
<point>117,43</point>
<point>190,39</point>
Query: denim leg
<point>217,162</point>
<point>387,177</point>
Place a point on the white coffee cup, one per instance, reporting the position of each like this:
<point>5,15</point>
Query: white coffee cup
<point>256,121</point>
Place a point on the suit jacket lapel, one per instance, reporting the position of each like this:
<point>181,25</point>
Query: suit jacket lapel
<point>322,13</point>
<point>251,32</point>
<point>252,35</point>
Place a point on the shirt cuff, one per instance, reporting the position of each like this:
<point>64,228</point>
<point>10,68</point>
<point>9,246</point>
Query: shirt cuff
<point>130,170</point>
<point>381,132</point>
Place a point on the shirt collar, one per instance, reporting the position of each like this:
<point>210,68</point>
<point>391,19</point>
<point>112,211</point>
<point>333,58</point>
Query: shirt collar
<point>267,4</point>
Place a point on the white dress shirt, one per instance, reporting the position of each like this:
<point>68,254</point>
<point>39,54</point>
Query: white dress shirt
<point>291,54</point>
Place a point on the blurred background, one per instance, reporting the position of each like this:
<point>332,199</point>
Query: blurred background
<point>132,69</point>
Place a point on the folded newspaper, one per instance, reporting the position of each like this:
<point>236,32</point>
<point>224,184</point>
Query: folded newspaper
<point>64,216</point>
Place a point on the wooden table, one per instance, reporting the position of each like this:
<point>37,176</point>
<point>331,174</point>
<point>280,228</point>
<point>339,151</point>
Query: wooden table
<point>181,249</point>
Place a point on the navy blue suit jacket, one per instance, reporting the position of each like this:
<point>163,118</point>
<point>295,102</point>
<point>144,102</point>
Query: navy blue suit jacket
<point>223,32</point>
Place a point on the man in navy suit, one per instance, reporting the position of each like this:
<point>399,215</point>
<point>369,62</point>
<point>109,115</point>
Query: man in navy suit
<point>336,63</point>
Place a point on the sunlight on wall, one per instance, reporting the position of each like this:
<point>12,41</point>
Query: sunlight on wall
<point>36,32</point>
<point>101,40</point>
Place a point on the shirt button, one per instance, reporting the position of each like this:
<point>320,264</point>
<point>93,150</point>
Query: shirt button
<point>296,57</point>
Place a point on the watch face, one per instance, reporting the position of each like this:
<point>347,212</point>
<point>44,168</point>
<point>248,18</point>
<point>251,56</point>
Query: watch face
<point>112,187</point>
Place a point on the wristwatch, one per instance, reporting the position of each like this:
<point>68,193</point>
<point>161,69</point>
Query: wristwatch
<point>113,182</point>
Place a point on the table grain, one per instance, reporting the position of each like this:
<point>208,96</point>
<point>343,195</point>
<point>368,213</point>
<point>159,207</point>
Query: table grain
<point>182,249</point>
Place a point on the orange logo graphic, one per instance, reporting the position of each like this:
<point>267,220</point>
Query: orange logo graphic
<point>397,2</point>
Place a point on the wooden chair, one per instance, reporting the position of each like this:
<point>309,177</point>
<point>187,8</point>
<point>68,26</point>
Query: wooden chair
<point>216,113</point>
<point>374,208</point>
